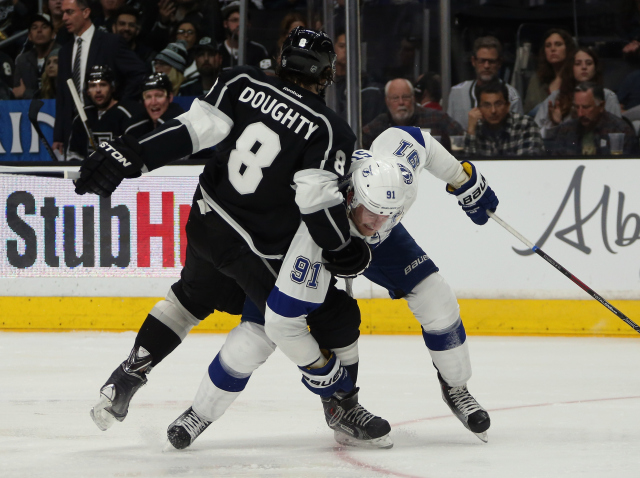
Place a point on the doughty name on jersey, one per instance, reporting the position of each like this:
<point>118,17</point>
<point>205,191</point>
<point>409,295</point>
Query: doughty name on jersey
<point>278,110</point>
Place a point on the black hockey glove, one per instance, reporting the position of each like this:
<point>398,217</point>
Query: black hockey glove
<point>350,261</point>
<point>103,171</point>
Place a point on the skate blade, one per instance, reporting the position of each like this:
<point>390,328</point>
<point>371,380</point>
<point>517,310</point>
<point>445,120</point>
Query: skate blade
<point>100,416</point>
<point>384,442</point>
<point>483,436</point>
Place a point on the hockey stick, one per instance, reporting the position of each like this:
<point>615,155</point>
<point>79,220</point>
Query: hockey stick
<point>34,109</point>
<point>42,173</point>
<point>577,281</point>
<point>81,112</point>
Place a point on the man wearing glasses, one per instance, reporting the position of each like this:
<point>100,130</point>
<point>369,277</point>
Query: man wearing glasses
<point>90,47</point>
<point>486,60</point>
<point>495,131</point>
<point>402,110</point>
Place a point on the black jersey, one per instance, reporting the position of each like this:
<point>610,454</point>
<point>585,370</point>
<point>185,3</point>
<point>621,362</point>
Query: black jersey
<point>142,124</point>
<point>105,127</point>
<point>280,153</point>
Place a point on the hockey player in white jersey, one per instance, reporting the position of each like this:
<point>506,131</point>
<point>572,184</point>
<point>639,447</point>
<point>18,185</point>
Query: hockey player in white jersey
<point>382,187</point>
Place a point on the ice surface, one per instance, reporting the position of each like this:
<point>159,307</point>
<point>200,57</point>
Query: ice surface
<point>559,407</point>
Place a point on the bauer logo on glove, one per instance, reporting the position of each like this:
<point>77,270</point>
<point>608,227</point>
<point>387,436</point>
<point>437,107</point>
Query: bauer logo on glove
<point>475,196</point>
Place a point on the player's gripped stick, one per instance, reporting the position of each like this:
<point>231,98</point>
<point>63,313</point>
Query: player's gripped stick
<point>45,173</point>
<point>81,112</point>
<point>581,284</point>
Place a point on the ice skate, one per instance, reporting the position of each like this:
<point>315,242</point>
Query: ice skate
<point>186,428</point>
<point>122,385</point>
<point>353,425</point>
<point>466,408</point>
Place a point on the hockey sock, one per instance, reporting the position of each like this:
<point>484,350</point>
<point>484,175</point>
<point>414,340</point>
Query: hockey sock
<point>353,372</point>
<point>158,339</point>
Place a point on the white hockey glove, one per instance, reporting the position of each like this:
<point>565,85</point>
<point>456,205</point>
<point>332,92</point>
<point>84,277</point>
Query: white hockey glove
<point>327,380</point>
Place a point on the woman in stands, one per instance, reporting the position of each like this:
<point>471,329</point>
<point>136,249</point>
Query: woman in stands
<point>558,46</point>
<point>48,86</point>
<point>557,107</point>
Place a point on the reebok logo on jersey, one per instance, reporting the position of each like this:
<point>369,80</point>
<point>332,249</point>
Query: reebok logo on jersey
<point>292,92</point>
<point>415,264</point>
<point>279,111</point>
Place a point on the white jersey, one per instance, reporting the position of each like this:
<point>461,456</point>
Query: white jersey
<point>303,281</point>
<point>413,150</point>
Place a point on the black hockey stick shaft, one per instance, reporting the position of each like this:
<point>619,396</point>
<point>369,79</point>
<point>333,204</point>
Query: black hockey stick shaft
<point>34,109</point>
<point>564,271</point>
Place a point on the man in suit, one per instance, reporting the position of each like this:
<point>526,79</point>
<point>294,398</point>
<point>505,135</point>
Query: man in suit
<point>90,47</point>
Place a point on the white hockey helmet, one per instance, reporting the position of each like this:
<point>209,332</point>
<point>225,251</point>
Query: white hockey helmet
<point>381,185</point>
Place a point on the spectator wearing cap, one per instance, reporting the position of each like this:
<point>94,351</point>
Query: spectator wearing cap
<point>90,47</point>
<point>127,24</point>
<point>208,61</point>
<point>49,77</point>
<point>30,64</point>
<point>255,52</point>
<point>486,60</point>
<point>402,110</point>
<point>172,61</point>
<point>107,117</point>
<point>589,133</point>
<point>429,91</point>
<point>157,97</point>
<point>495,131</point>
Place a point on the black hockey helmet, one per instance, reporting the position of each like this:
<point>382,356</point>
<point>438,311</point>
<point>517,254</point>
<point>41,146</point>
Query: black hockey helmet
<point>101,73</point>
<point>308,53</point>
<point>158,81</point>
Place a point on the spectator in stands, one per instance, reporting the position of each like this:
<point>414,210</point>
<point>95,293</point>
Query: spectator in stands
<point>106,116</point>
<point>172,61</point>
<point>494,131</point>
<point>6,77</point>
<point>54,9</point>
<point>290,21</point>
<point>90,47</point>
<point>403,111</point>
<point>553,57</point>
<point>127,25</point>
<point>30,64</point>
<point>428,90</point>
<point>204,14</point>
<point>557,107</point>
<point>106,14</point>
<point>190,35</point>
<point>487,60</point>
<point>588,134</point>
<point>371,97</point>
<point>49,77</point>
<point>14,17</point>
<point>157,97</point>
<point>208,61</point>
<point>629,91</point>
<point>255,52</point>
<point>630,29</point>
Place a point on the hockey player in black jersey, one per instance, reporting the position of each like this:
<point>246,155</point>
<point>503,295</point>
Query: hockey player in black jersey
<point>107,117</point>
<point>280,152</point>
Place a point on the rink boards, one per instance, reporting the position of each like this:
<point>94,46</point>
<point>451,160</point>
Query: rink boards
<point>80,262</point>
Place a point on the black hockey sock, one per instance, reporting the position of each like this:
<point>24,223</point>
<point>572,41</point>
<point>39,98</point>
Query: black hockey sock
<point>353,372</point>
<point>158,339</point>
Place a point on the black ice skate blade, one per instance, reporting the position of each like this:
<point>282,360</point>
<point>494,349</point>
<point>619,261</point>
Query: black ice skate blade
<point>383,442</point>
